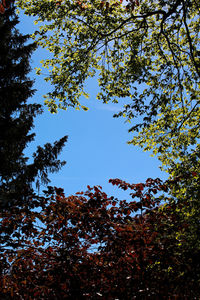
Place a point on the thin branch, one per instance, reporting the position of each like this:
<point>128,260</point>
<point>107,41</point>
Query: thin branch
<point>190,40</point>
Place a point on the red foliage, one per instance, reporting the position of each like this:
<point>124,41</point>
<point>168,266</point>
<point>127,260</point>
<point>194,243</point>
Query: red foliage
<point>91,246</point>
<point>5,4</point>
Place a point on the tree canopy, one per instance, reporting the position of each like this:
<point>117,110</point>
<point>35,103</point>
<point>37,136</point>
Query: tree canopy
<point>92,246</point>
<point>148,52</point>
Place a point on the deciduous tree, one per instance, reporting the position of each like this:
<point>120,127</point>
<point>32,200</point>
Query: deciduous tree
<point>147,51</point>
<point>91,246</point>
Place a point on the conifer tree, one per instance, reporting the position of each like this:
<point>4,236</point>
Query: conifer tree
<point>16,118</point>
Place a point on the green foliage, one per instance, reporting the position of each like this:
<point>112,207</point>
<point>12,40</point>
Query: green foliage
<point>85,42</point>
<point>148,52</point>
<point>90,246</point>
<point>16,118</point>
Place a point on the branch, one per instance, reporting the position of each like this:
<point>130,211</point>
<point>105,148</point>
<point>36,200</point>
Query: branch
<point>190,40</point>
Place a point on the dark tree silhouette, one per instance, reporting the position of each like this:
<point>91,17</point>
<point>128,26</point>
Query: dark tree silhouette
<point>16,118</point>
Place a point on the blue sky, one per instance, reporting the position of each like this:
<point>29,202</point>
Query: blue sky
<point>97,148</point>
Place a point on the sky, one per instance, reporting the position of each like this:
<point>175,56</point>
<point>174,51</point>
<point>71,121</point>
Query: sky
<point>97,148</point>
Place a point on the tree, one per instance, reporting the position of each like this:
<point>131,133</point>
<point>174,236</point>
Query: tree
<point>146,51</point>
<point>91,246</point>
<point>16,119</point>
